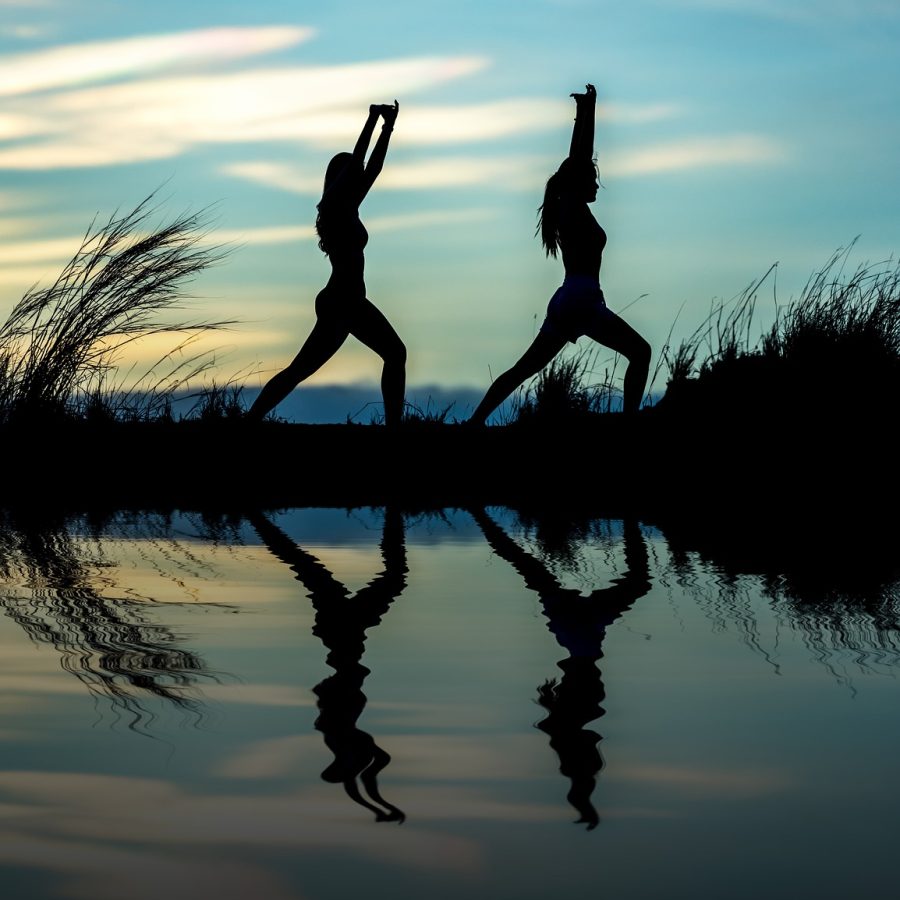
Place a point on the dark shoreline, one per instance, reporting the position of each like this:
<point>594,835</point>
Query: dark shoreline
<point>652,464</point>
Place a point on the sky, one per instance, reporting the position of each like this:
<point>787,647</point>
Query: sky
<point>731,135</point>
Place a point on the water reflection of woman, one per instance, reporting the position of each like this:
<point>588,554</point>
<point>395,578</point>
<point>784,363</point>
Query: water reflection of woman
<point>341,622</point>
<point>579,624</point>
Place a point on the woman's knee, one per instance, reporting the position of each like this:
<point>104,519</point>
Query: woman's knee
<point>638,351</point>
<point>395,354</point>
<point>643,352</point>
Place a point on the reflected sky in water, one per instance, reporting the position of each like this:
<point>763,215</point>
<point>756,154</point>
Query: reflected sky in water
<point>315,703</point>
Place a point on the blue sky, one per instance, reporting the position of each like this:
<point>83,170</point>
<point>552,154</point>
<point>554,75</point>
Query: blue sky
<point>731,134</point>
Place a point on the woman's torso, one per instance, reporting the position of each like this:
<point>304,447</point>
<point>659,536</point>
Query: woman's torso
<point>581,240</point>
<point>345,238</point>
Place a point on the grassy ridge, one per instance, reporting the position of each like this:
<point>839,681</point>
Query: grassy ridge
<point>802,412</point>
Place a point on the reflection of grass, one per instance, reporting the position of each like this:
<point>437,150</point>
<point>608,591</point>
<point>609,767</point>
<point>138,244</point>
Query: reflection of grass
<point>111,644</point>
<point>59,346</point>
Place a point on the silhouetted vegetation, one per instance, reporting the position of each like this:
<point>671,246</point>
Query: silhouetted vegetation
<point>751,414</point>
<point>835,348</point>
<point>567,389</point>
<point>60,345</point>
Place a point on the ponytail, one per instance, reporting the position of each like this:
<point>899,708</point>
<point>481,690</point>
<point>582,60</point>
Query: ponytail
<point>334,195</point>
<point>568,176</point>
<point>548,214</point>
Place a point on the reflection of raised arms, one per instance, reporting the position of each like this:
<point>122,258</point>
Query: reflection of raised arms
<point>321,584</point>
<point>623,591</point>
<point>536,575</point>
<point>582,146</point>
<point>376,159</point>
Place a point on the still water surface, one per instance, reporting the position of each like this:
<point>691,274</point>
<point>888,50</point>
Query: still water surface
<point>327,703</point>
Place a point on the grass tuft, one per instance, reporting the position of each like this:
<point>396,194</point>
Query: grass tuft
<point>60,344</point>
<point>566,390</point>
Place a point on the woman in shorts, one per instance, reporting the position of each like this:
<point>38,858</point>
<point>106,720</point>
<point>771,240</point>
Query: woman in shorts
<point>578,307</point>
<point>342,307</point>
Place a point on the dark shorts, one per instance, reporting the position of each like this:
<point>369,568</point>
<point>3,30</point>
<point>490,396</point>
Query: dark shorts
<point>578,307</point>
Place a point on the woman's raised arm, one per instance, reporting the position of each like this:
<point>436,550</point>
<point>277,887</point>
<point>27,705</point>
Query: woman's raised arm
<point>582,146</point>
<point>376,160</point>
<point>362,142</point>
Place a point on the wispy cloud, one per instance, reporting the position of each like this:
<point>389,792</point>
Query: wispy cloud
<point>158,105</point>
<point>74,64</point>
<point>27,261</point>
<point>23,263</point>
<point>285,234</point>
<point>698,153</point>
<point>526,171</point>
<point>638,113</point>
<point>24,32</point>
<point>504,173</point>
<point>81,822</point>
<point>24,252</point>
<point>735,782</point>
<point>156,118</point>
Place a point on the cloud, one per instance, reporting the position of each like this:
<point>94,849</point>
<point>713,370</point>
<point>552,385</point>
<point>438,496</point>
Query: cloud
<point>24,263</point>
<point>460,171</point>
<point>697,153</point>
<point>524,172</point>
<point>17,200</point>
<point>86,820</point>
<point>19,278</point>
<point>282,176</point>
<point>504,173</point>
<point>284,234</point>
<point>83,63</point>
<point>25,252</point>
<point>162,117</point>
<point>260,694</point>
<point>638,114</point>
<point>164,100</point>
<point>24,32</point>
<point>731,782</point>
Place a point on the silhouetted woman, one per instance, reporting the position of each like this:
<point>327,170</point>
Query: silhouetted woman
<point>579,625</point>
<point>341,623</point>
<point>342,307</point>
<point>578,306</point>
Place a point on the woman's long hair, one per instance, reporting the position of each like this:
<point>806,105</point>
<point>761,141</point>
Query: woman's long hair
<point>561,182</point>
<point>335,194</point>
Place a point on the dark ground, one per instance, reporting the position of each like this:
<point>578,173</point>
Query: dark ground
<point>654,463</point>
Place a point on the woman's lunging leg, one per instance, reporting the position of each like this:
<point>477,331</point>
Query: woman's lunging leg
<point>542,350</point>
<point>323,342</point>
